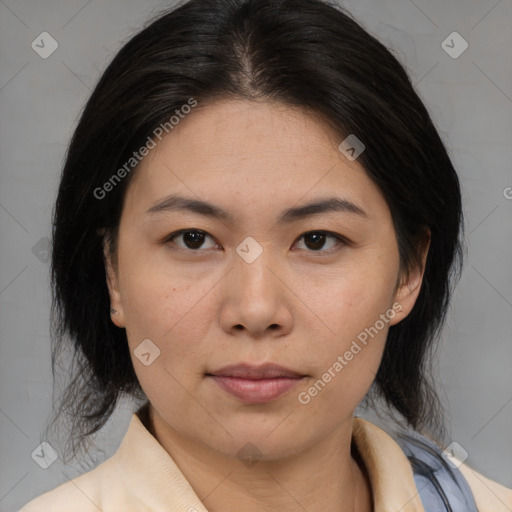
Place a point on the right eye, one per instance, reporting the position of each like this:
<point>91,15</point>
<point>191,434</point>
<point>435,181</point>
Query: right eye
<point>193,239</point>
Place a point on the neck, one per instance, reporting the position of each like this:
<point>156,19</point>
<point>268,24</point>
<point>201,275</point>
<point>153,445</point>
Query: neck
<point>328,476</point>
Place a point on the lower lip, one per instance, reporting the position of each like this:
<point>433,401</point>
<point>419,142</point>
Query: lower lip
<point>256,391</point>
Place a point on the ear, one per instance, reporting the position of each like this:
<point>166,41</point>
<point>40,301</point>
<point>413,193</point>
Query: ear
<point>113,286</point>
<point>409,283</point>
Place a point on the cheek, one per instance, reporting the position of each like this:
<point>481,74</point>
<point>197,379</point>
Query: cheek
<point>168,307</point>
<point>347,301</point>
<point>168,312</point>
<point>347,358</point>
<point>349,305</point>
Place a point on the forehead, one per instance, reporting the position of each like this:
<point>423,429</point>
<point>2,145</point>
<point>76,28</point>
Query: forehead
<point>246,151</point>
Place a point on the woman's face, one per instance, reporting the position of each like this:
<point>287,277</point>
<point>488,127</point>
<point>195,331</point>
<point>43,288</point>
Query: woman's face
<point>252,287</point>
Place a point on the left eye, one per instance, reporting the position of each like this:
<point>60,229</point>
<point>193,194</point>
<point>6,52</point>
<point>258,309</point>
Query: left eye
<point>194,239</point>
<point>315,240</point>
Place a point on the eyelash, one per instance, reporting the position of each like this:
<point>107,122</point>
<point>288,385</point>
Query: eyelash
<point>342,240</point>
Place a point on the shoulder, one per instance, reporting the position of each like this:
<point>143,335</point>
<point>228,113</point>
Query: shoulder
<point>80,494</point>
<point>490,496</point>
<point>447,484</point>
<point>127,480</point>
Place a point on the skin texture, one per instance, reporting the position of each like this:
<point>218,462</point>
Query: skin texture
<point>206,307</point>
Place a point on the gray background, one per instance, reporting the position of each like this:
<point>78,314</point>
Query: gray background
<point>470,99</point>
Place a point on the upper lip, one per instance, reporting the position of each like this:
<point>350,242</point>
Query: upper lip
<point>255,372</point>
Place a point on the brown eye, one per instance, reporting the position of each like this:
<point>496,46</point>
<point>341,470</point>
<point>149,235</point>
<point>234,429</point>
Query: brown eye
<point>192,239</point>
<point>315,240</point>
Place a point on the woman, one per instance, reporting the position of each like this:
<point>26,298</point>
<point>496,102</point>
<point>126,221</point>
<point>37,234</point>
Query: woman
<point>256,231</point>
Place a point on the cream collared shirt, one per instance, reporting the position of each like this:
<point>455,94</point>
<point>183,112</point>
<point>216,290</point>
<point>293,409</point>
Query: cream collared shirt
<point>142,477</point>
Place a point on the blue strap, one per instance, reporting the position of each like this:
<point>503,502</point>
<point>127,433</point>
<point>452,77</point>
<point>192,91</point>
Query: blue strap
<point>441,487</point>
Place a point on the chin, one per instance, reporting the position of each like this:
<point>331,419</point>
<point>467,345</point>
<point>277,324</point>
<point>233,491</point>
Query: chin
<point>263,440</point>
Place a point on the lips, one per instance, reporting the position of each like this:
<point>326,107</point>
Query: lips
<point>256,384</point>
<point>264,371</point>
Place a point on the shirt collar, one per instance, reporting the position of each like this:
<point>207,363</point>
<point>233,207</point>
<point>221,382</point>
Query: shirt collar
<point>153,478</point>
<point>389,470</point>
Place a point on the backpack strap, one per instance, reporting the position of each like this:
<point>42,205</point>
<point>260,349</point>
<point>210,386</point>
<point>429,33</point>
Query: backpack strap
<point>441,486</point>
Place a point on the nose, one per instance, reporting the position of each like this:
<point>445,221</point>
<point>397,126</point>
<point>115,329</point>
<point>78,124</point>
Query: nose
<point>256,297</point>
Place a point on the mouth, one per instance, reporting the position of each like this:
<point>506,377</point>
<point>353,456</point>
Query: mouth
<point>256,384</point>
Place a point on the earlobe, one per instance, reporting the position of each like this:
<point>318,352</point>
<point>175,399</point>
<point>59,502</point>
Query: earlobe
<point>116,306</point>
<point>409,286</point>
<point>406,296</point>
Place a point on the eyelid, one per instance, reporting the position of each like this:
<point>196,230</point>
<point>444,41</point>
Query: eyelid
<point>168,238</point>
<point>342,241</point>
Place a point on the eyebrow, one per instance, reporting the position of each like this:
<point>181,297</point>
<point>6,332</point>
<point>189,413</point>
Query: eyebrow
<point>330,204</point>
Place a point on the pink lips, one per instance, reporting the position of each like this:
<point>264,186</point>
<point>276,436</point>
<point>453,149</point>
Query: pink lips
<point>256,384</point>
